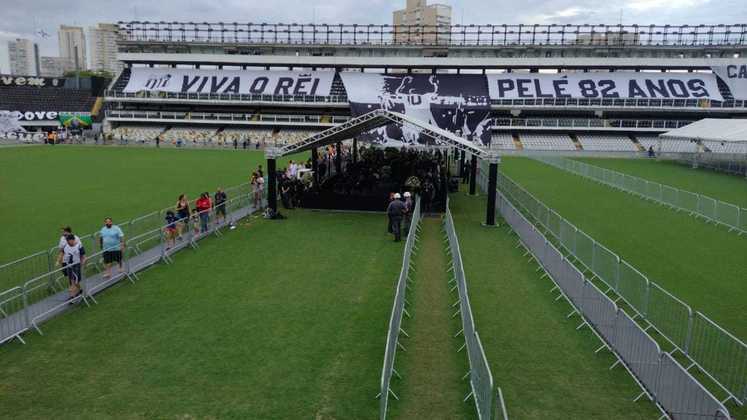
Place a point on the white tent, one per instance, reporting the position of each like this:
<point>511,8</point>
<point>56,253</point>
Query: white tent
<point>712,129</point>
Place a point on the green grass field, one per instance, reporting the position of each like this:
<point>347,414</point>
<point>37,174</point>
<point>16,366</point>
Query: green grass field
<point>432,369</point>
<point>724,187</point>
<point>44,188</point>
<point>274,320</point>
<point>700,263</point>
<point>287,319</point>
<point>546,369</point>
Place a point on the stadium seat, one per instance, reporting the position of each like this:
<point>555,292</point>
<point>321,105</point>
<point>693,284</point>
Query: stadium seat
<point>503,141</point>
<point>606,142</point>
<point>558,142</point>
<point>668,145</point>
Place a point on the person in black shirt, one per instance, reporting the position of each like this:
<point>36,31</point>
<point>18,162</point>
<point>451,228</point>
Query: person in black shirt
<point>220,206</point>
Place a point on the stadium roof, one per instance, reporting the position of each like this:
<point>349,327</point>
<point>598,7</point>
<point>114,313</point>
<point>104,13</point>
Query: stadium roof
<point>426,62</point>
<point>375,119</point>
<point>726,130</point>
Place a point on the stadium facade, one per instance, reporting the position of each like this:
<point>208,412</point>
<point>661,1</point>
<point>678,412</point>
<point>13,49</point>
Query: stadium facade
<point>513,87</point>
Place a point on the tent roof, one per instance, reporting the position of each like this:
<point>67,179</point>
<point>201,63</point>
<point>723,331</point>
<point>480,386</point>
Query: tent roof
<point>714,129</point>
<point>370,121</point>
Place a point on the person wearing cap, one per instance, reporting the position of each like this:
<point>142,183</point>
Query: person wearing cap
<point>409,207</point>
<point>396,211</point>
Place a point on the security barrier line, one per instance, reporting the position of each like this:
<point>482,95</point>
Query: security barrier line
<point>661,378</point>
<point>395,320</point>
<point>481,379</point>
<point>716,353</point>
<point>45,295</point>
<point>698,205</point>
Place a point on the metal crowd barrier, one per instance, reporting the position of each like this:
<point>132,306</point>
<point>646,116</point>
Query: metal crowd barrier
<point>41,290</point>
<point>662,379</point>
<point>717,353</point>
<point>733,163</point>
<point>698,205</point>
<point>395,321</point>
<point>481,378</point>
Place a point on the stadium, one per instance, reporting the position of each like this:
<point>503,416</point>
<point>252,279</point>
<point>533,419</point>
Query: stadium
<point>572,245</point>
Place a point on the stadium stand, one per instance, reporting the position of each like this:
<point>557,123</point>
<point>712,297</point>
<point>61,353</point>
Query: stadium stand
<point>503,141</point>
<point>560,142</point>
<point>725,147</point>
<point>208,137</point>
<point>137,134</point>
<point>606,143</point>
<point>668,146</point>
<point>188,135</point>
<point>41,99</point>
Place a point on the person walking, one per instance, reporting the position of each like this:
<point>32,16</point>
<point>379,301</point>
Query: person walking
<point>111,241</point>
<point>170,230</point>
<point>72,258</point>
<point>203,206</point>
<point>258,188</point>
<point>255,186</point>
<point>396,211</point>
<point>67,230</point>
<point>219,199</point>
<point>182,212</point>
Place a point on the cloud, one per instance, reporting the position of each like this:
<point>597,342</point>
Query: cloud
<point>27,17</point>
<point>644,5</point>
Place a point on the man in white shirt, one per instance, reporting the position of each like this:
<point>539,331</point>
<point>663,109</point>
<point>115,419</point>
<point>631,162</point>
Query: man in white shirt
<point>293,169</point>
<point>72,258</point>
<point>66,231</point>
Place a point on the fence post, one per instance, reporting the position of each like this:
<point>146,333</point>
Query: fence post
<point>26,315</point>
<point>50,265</point>
<point>689,337</point>
<point>617,274</point>
<point>646,298</point>
<point>715,212</point>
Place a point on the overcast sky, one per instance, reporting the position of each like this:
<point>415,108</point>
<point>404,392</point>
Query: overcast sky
<point>25,18</point>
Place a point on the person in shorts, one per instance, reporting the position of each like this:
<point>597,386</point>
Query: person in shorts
<point>203,205</point>
<point>111,241</point>
<point>220,198</point>
<point>72,257</point>
<point>170,230</point>
<point>182,212</point>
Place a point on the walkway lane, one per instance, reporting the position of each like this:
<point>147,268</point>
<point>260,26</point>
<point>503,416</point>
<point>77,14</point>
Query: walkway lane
<point>432,370</point>
<point>546,369</point>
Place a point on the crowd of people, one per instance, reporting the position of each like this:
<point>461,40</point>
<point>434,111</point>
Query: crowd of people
<point>111,238</point>
<point>379,171</point>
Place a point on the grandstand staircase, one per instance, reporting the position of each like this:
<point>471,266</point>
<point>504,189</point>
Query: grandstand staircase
<point>576,143</point>
<point>638,145</point>
<point>97,106</point>
<point>517,142</point>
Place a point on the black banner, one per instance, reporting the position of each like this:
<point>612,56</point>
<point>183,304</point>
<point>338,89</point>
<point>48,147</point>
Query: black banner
<point>457,103</point>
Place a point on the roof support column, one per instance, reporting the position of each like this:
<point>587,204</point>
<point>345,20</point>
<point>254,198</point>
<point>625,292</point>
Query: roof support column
<point>315,165</point>
<point>493,160</point>
<point>473,175</point>
<point>462,156</point>
<point>272,190</point>
<point>338,158</point>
